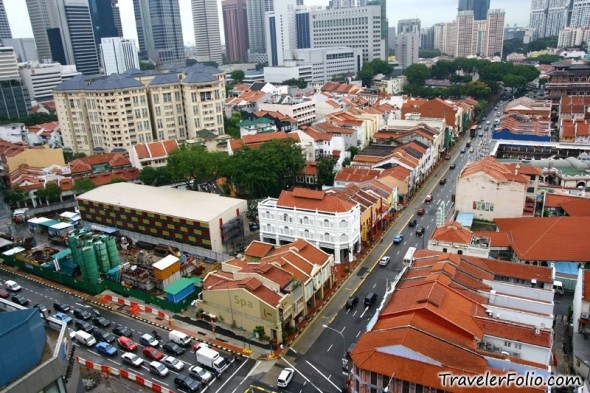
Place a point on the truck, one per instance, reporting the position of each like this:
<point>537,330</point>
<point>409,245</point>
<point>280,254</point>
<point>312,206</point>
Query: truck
<point>211,359</point>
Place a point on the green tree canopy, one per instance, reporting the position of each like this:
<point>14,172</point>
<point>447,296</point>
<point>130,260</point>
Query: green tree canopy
<point>300,83</point>
<point>326,172</point>
<point>195,164</point>
<point>417,74</point>
<point>546,59</point>
<point>83,185</point>
<point>541,43</point>
<point>146,65</point>
<point>513,45</point>
<point>158,176</point>
<point>15,198</point>
<point>231,125</point>
<point>51,193</point>
<point>428,53</point>
<point>238,75</point>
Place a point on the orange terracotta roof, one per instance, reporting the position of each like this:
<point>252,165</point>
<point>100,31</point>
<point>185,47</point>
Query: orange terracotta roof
<point>218,281</point>
<point>314,200</point>
<point>356,175</point>
<point>497,239</point>
<point>100,179</point>
<point>398,172</point>
<point>307,250</point>
<point>453,232</point>
<point>258,249</point>
<point>586,284</point>
<point>572,205</point>
<point>159,149</point>
<point>317,135</point>
<point>494,169</point>
<point>311,169</point>
<point>516,270</point>
<point>516,332</point>
<point>270,272</point>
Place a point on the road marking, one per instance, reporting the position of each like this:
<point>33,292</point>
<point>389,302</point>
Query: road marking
<point>358,334</point>
<point>93,352</point>
<point>354,314</point>
<point>374,285</point>
<point>230,377</point>
<point>163,383</point>
<point>343,329</point>
<point>364,311</point>
<point>117,363</point>
<point>319,372</point>
<point>329,348</point>
<point>304,377</point>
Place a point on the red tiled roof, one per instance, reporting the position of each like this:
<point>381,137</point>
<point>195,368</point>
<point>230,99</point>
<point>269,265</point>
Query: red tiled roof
<point>398,172</point>
<point>494,169</point>
<point>219,281</point>
<point>497,239</point>
<point>586,284</point>
<point>356,175</point>
<point>258,249</point>
<point>269,271</point>
<point>308,199</point>
<point>103,178</point>
<point>572,205</point>
<point>311,169</point>
<point>453,232</point>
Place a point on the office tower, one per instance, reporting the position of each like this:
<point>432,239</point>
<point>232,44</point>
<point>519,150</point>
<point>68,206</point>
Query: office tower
<point>281,34</point>
<point>255,10</point>
<point>40,22</point>
<point>427,38</point>
<point>464,33</point>
<point>41,78</point>
<point>391,38</point>
<point>495,33</point>
<point>549,17</point>
<point>207,34</point>
<point>479,7</point>
<point>4,26</point>
<point>580,13</point>
<point>235,23</point>
<point>355,27</point>
<point>14,97</point>
<point>117,17</point>
<point>24,47</point>
<point>334,4</point>
<point>408,25</point>
<point>450,39</point>
<point>118,55</point>
<point>408,45</point>
<point>159,31</point>
<point>103,19</point>
<point>384,21</point>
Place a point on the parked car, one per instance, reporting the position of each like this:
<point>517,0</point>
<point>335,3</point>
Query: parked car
<point>420,211</point>
<point>126,343</point>
<point>148,340</point>
<point>285,377</point>
<point>413,222</point>
<point>61,307</point>
<point>352,302</point>
<point>20,300</point>
<point>153,353</point>
<point>185,383</point>
<point>42,308</point>
<point>83,325</point>
<point>173,348</point>
<point>101,321</point>
<point>384,261</point>
<point>200,374</point>
<point>158,368</point>
<point>12,286</point>
<point>63,317</point>
<point>103,335</point>
<point>172,363</point>
<point>420,231</point>
<point>121,330</point>
<point>106,349</point>
<point>200,345</point>
<point>443,181</point>
<point>4,294</point>
<point>398,238</point>
<point>428,198</point>
<point>132,359</point>
<point>82,314</point>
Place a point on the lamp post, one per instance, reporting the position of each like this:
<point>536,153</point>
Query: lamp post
<point>386,388</point>
<point>344,359</point>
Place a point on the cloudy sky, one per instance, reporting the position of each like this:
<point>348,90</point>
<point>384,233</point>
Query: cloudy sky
<point>429,11</point>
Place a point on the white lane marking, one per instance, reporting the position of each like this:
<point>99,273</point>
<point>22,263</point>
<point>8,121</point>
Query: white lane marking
<point>319,372</point>
<point>304,377</point>
<point>231,376</point>
<point>330,347</point>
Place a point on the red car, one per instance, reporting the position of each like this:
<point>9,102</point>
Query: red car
<point>126,343</point>
<point>4,293</point>
<point>153,353</point>
<point>420,211</point>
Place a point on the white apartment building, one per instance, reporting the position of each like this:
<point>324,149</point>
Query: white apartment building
<point>280,32</point>
<point>301,109</point>
<point>8,64</point>
<point>118,55</point>
<point>407,47</point>
<point>580,16</point>
<point>41,79</point>
<point>392,86</point>
<point>573,36</point>
<point>289,70</point>
<point>324,220</point>
<point>327,62</point>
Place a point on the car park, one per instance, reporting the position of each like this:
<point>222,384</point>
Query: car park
<point>82,314</point>
<point>103,335</point>
<point>428,198</point>
<point>20,300</point>
<point>352,301</point>
<point>200,374</point>
<point>285,377</point>
<point>443,181</point>
<point>158,368</point>
<point>384,261</point>
<point>173,348</point>
<point>153,353</point>
<point>184,383</point>
<point>398,238</point>
<point>12,286</point>
<point>420,211</point>
<point>61,307</point>
<point>83,325</point>
<point>173,363</point>
<point>132,359</point>
<point>106,349</point>
<point>148,340</point>
<point>126,343</point>
<point>101,321</point>
<point>420,231</point>
<point>121,330</point>
<point>63,317</point>
<point>413,222</point>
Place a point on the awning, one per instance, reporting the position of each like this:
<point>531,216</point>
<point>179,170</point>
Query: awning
<point>62,254</point>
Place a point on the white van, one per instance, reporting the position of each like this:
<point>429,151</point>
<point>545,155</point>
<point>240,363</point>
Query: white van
<point>85,338</point>
<point>558,287</point>
<point>179,338</point>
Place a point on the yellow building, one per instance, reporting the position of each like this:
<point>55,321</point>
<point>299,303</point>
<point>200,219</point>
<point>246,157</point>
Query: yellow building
<point>37,157</point>
<point>120,111</point>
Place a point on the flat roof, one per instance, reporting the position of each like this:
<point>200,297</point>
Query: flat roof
<point>193,205</point>
<point>61,225</point>
<point>165,262</point>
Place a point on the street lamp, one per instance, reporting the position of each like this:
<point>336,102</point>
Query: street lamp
<point>344,359</point>
<point>386,389</point>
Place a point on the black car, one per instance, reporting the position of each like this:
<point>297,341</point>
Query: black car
<point>352,301</point>
<point>443,181</point>
<point>103,335</point>
<point>82,314</point>
<point>121,330</point>
<point>83,325</point>
<point>42,308</point>
<point>453,166</point>
<point>413,222</point>
<point>101,321</point>
<point>173,348</point>
<point>420,231</point>
<point>184,383</point>
<point>61,307</point>
<point>20,299</point>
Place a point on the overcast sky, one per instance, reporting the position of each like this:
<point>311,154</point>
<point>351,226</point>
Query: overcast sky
<point>429,11</point>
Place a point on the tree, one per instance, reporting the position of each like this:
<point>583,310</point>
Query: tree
<point>15,198</point>
<point>341,78</point>
<point>71,156</point>
<point>148,175</point>
<point>146,65</point>
<point>513,45</point>
<point>51,193</point>
<point>353,151</point>
<point>300,83</point>
<point>428,53</point>
<point>238,75</point>
<point>514,81</point>
<point>191,62</point>
<point>83,185</point>
<point>546,59</point>
<point>417,74</point>
<point>541,43</point>
<point>326,172</point>
<point>443,69</point>
<point>231,125</point>
<point>346,162</point>
<point>195,164</point>
<point>211,63</point>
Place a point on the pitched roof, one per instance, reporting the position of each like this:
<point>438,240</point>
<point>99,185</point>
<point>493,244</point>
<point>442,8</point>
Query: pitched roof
<point>258,249</point>
<point>315,200</point>
<point>491,167</point>
<point>219,281</point>
<point>157,149</point>
<point>452,232</point>
<point>356,175</point>
<point>572,205</point>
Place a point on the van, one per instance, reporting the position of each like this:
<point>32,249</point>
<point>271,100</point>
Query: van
<point>85,338</point>
<point>370,299</point>
<point>179,338</point>
<point>558,287</point>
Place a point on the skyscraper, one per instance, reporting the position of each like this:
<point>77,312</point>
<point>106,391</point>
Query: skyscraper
<point>407,41</point>
<point>159,31</point>
<point>118,55</point>
<point>235,24</point>
<point>255,10</point>
<point>495,33</point>
<point>464,33</point>
<point>207,34</point>
<point>479,7</point>
<point>408,25</point>
<point>384,20</point>
<point>427,37</point>
<point>281,34</point>
<point>580,13</point>
<point>14,97</point>
<point>103,19</point>
<point>4,26</point>
<point>549,17</point>
<point>63,32</point>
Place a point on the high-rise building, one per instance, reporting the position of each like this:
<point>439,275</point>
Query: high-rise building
<point>356,27</point>
<point>408,45</point>
<point>549,17</point>
<point>384,21</point>
<point>333,4</point>
<point>117,17</point>
<point>159,31</point>
<point>391,38</point>
<point>495,33</point>
<point>118,55</point>
<point>408,25</point>
<point>40,78</point>
<point>207,33</point>
<point>427,38</point>
<point>24,47</point>
<point>464,34</point>
<point>480,31</point>
<point>256,10</point>
<point>479,7</point>
<point>573,36</point>
<point>281,34</point>
<point>580,13</point>
<point>4,26</point>
<point>14,97</point>
<point>235,24</point>
<point>63,32</point>
<point>103,19</point>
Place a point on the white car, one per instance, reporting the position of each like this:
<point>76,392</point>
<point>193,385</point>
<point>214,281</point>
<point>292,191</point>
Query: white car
<point>132,359</point>
<point>158,368</point>
<point>172,363</point>
<point>384,261</point>
<point>285,377</point>
<point>12,286</point>
<point>200,374</point>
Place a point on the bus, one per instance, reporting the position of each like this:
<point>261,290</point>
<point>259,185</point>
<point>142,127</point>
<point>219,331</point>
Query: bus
<point>409,257</point>
<point>472,130</point>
